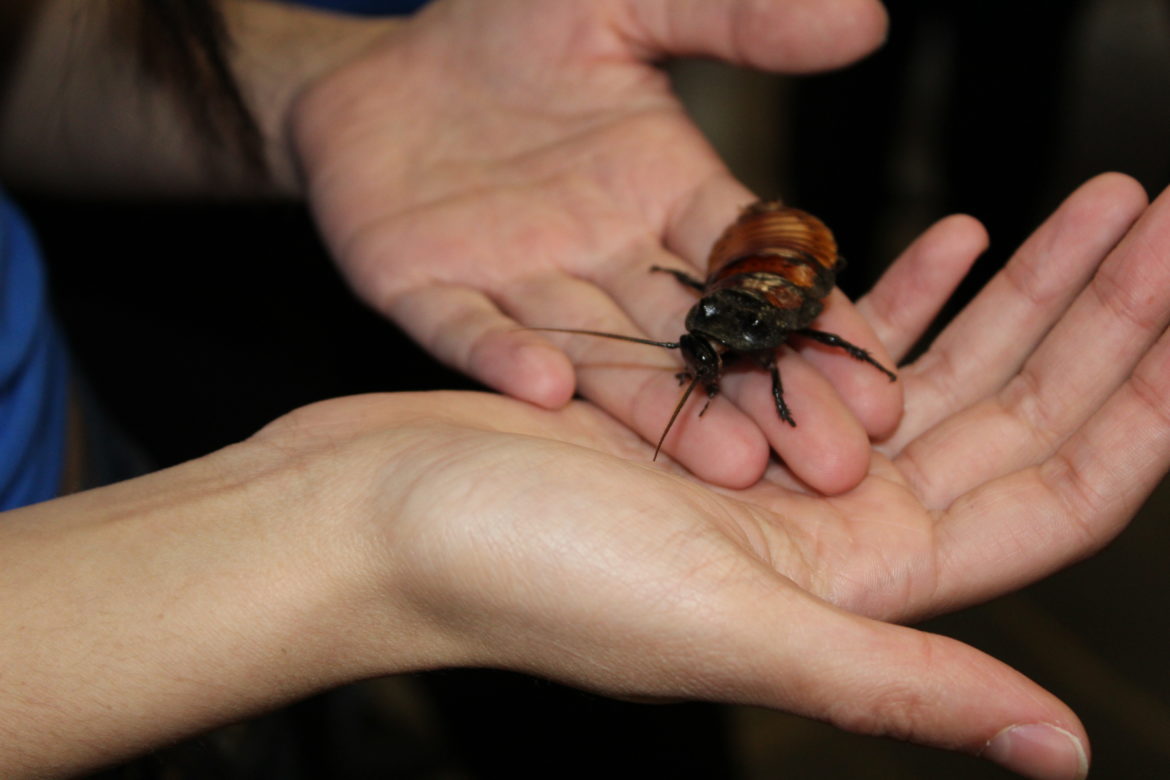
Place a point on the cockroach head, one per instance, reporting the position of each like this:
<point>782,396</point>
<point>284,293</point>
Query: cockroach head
<point>701,356</point>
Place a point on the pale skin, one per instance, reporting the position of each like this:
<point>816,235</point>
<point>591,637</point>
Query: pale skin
<point>541,189</point>
<point>484,167</point>
<point>379,534</point>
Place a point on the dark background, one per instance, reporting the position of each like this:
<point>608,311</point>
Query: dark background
<point>196,324</point>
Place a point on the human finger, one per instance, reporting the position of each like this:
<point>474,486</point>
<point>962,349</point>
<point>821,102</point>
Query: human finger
<point>463,328</point>
<point>1083,359</point>
<point>910,293</point>
<point>879,679</point>
<point>1037,520</point>
<point>637,384</point>
<point>989,340</point>
<point>870,394</point>
<point>792,36</point>
<point>739,645</point>
<point>827,449</point>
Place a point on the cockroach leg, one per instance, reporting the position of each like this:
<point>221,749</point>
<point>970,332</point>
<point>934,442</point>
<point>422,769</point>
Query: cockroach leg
<point>854,351</point>
<point>712,391</point>
<point>683,277</point>
<point>778,394</point>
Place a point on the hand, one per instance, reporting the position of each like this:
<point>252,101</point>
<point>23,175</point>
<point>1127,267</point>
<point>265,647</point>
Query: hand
<point>515,163</point>
<point>1035,426</point>
<point>378,534</point>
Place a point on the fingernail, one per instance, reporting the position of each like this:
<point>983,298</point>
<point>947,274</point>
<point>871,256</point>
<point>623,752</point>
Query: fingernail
<point>1039,750</point>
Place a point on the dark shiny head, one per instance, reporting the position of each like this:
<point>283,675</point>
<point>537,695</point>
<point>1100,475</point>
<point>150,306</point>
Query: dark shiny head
<point>702,359</point>
<point>702,356</point>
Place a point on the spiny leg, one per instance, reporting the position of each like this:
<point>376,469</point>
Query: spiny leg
<point>854,351</point>
<point>682,276</point>
<point>778,394</point>
<point>712,391</point>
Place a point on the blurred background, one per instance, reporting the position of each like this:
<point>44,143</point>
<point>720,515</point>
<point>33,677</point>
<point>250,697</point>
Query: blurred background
<point>197,323</point>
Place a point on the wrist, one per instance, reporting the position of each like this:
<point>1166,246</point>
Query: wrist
<point>349,470</point>
<point>282,50</point>
<point>182,600</point>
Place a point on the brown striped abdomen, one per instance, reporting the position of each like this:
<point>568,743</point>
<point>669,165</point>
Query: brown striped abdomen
<point>770,250</point>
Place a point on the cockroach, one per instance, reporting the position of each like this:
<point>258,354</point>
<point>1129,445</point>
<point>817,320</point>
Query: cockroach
<point>767,276</point>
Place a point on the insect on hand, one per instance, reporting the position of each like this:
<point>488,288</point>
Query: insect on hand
<point>766,277</point>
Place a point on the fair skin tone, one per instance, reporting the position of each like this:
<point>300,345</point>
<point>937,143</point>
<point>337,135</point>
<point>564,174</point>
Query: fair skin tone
<point>462,225</point>
<point>379,534</point>
<point>554,216</point>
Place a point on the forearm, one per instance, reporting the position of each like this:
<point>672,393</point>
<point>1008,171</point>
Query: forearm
<point>78,112</point>
<point>152,609</point>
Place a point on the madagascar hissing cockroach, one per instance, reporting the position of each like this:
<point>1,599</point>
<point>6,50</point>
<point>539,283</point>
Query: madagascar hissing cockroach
<point>766,278</point>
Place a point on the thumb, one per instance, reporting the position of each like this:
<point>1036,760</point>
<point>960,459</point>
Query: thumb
<point>874,678</point>
<point>781,35</point>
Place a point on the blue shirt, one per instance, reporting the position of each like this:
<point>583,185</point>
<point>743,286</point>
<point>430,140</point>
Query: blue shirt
<point>34,375</point>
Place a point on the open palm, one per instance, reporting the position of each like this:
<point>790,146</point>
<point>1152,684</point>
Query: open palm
<point>1034,424</point>
<point>545,541</point>
<point>1033,428</point>
<point>517,163</point>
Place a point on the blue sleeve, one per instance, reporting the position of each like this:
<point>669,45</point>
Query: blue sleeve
<point>34,377</point>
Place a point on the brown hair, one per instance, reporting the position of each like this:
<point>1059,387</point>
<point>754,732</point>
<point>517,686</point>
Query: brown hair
<point>185,45</point>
